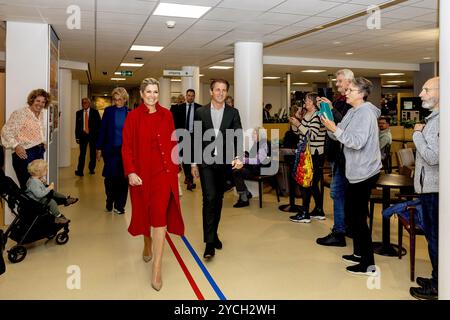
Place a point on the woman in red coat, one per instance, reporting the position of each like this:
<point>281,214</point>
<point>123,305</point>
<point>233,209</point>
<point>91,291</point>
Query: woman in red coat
<point>152,174</point>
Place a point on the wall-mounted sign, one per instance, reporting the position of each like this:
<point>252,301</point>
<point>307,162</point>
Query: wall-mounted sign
<point>177,73</point>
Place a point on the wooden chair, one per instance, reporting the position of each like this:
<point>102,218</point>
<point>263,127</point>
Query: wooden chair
<point>410,226</point>
<point>406,161</point>
<point>386,158</point>
<point>260,179</point>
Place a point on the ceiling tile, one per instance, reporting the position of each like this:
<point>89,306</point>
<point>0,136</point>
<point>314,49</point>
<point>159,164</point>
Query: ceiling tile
<point>249,4</point>
<point>128,6</point>
<point>310,7</point>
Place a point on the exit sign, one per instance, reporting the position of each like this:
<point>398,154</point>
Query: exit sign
<point>126,73</point>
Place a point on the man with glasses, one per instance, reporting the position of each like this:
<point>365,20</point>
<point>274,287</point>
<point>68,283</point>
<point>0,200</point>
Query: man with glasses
<point>426,183</point>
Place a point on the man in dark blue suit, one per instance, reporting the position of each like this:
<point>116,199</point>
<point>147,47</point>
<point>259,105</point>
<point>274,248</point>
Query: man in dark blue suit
<point>183,117</point>
<point>87,126</point>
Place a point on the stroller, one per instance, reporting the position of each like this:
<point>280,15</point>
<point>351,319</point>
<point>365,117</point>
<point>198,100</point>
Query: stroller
<point>33,220</point>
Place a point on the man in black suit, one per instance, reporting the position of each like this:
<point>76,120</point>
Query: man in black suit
<point>222,146</point>
<point>183,117</point>
<point>87,126</point>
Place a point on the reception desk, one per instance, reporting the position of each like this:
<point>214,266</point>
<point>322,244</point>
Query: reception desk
<point>281,127</point>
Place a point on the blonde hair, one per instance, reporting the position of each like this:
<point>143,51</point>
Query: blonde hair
<point>37,167</point>
<point>148,81</point>
<point>121,92</point>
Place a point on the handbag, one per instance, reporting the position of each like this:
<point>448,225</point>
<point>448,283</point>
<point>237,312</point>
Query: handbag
<point>303,165</point>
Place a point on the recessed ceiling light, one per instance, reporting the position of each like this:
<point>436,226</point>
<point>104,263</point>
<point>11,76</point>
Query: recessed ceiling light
<point>220,67</point>
<point>426,58</point>
<point>313,71</point>
<point>336,42</point>
<point>145,48</point>
<point>349,53</point>
<point>318,27</point>
<point>334,79</point>
<point>392,74</point>
<point>201,75</point>
<point>175,80</point>
<point>390,86</point>
<point>118,79</point>
<point>118,73</point>
<point>180,10</point>
<point>271,78</point>
<point>299,83</point>
<point>127,64</point>
<point>396,81</point>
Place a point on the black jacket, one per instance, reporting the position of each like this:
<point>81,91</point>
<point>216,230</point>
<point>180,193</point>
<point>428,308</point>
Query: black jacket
<point>95,123</point>
<point>232,144</point>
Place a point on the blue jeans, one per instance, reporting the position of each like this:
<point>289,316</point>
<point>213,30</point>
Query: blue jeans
<point>338,186</point>
<point>430,210</point>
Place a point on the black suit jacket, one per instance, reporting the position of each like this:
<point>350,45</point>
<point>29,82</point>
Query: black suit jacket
<point>94,124</point>
<point>179,114</point>
<point>232,147</point>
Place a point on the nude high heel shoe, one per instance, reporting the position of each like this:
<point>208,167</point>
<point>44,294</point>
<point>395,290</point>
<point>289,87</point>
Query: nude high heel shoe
<point>145,257</point>
<point>155,285</point>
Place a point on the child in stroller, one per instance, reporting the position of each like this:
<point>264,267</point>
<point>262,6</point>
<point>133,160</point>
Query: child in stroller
<point>33,220</point>
<point>37,190</point>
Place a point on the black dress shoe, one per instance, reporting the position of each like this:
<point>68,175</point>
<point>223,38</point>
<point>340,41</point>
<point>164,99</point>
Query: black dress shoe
<point>424,282</point>
<point>241,204</point>
<point>209,251</point>
<point>427,293</point>
<point>218,244</point>
<point>78,173</point>
<point>191,186</point>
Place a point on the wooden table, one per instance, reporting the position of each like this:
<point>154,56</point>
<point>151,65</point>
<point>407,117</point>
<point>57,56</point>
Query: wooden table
<point>386,182</point>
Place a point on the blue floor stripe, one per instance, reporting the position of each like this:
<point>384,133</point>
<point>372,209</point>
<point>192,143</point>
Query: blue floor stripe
<point>204,270</point>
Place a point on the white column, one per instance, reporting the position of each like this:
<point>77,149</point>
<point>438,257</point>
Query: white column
<point>83,91</point>
<point>248,82</point>
<point>75,106</point>
<point>248,88</point>
<point>288,94</point>
<point>444,152</point>
<point>27,65</point>
<point>65,104</point>
<point>191,82</point>
<point>164,92</point>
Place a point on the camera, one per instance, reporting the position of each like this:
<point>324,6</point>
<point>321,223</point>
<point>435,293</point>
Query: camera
<point>105,73</point>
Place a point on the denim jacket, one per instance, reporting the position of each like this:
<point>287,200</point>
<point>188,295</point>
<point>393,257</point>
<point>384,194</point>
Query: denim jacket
<point>400,209</point>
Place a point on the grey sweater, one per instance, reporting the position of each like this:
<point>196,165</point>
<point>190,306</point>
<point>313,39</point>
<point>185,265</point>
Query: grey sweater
<point>358,132</point>
<point>426,176</point>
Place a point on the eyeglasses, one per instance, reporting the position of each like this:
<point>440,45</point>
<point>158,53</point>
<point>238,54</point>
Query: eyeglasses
<point>427,90</point>
<point>350,90</point>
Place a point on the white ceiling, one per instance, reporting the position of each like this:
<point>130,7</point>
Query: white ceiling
<point>110,27</point>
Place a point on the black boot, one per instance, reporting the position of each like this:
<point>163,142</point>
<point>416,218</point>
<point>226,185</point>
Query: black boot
<point>334,239</point>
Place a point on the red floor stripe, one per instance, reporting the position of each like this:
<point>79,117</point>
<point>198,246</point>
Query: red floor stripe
<point>185,269</point>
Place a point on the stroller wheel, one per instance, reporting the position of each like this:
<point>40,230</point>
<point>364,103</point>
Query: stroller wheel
<point>17,254</point>
<point>62,238</point>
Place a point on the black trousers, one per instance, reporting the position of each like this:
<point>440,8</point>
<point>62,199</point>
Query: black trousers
<point>212,178</point>
<point>356,209</point>
<point>240,175</point>
<point>21,165</point>
<point>314,190</point>
<point>116,189</point>
<point>84,142</point>
<point>187,160</point>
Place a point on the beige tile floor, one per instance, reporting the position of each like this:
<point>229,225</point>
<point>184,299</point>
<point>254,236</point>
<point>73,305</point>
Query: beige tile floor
<point>264,256</point>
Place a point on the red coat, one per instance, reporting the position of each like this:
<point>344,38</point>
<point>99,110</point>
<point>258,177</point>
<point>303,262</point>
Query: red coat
<point>147,151</point>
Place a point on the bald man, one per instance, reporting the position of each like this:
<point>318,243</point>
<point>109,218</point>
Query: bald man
<point>426,183</point>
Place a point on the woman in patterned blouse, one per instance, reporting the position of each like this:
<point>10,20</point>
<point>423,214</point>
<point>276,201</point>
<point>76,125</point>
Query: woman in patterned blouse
<point>24,134</point>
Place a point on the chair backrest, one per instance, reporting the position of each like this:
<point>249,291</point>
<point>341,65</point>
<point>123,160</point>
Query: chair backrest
<point>386,158</point>
<point>406,160</point>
